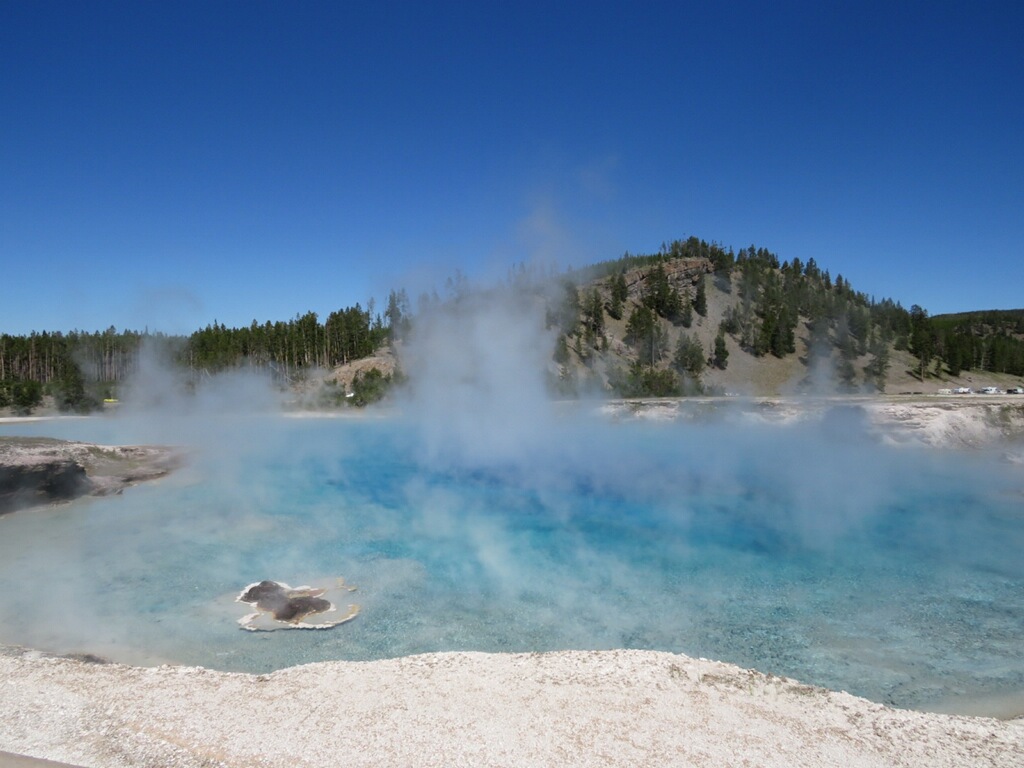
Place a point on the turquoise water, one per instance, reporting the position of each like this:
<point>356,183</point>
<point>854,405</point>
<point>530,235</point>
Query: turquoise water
<point>813,552</point>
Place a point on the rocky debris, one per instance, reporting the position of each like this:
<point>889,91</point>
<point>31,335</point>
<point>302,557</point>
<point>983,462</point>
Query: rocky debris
<point>40,470</point>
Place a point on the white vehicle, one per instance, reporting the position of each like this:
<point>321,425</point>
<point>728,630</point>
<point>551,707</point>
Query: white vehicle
<point>962,391</point>
<point>1015,391</point>
<point>991,391</point>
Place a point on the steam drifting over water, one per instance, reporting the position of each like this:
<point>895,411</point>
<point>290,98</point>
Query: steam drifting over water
<point>480,516</point>
<point>477,370</point>
<point>890,573</point>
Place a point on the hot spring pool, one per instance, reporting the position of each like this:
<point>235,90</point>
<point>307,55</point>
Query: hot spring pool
<point>812,552</point>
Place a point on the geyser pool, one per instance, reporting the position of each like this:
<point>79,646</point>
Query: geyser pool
<point>810,551</point>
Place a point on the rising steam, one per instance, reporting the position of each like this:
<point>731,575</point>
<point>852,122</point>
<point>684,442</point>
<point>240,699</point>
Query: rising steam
<point>477,367</point>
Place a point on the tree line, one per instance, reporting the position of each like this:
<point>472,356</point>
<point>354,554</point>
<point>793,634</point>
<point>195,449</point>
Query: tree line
<point>774,300</point>
<point>79,369</point>
<point>67,366</point>
<point>286,347</point>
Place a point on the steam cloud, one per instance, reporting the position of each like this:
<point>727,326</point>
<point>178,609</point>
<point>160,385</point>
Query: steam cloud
<point>485,516</point>
<point>477,368</point>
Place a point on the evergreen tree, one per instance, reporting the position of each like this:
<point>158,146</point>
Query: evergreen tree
<point>25,395</point>
<point>847,375</point>
<point>561,355</point>
<point>619,294</point>
<point>922,338</point>
<point>700,301</point>
<point>569,312</point>
<point>369,387</point>
<point>396,315</point>
<point>783,340</point>
<point>645,334</point>
<point>638,327</point>
<point>721,356</point>
<point>614,308</point>
<point>954,358</point>
<point>593,318</point>
<point>689,356</point>
<point>722,260</point>
<point>730,321</point>
<point>878,366</point>
<point>660,296</point>
<point>71,394</point>
<point>643,381</point>
<point>686,315</point>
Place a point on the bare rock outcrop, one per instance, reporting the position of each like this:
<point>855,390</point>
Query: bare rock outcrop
<point>40,470</point>
<point>682,274</point>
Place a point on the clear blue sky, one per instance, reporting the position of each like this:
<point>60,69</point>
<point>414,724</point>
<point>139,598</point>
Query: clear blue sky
<point>167,164</point>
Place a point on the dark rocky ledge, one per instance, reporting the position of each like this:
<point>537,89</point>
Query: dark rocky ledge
<point>42,470</point>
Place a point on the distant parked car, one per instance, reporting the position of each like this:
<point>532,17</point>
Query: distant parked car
<point>962,391</point>
<point>991,391</point>
<point>1015,391</point>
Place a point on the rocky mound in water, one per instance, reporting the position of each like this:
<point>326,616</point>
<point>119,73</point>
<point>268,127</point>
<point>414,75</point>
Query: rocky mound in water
<point>279,606</point>
<point>42,470</point>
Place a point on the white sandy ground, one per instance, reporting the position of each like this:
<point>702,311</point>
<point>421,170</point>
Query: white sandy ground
<point>600,708</point>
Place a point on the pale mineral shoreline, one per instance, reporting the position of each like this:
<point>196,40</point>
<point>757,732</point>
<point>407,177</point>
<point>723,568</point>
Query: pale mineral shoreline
<point>638,708</point>
<point>571,708</point>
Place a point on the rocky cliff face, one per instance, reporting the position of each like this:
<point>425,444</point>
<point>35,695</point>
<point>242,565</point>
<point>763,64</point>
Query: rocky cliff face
<point>682,274</point>
<point>36,471</point>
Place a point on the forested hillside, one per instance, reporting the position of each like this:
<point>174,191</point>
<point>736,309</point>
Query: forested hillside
<point>79,369</point>
<point>992,341</point>
<point>699,318</point>
<point>693,318</point>
<point>664,324</point>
